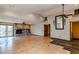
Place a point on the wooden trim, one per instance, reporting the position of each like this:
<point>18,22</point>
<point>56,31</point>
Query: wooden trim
<point>70,24</point>
<point>38,35</point>
<point>59,38</point>
<point>41,35</point>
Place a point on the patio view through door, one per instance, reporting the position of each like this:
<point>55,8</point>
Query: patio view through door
<point>6,30</point>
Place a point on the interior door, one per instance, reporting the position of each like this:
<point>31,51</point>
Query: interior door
<point>47,30</point>
<point>75,30</point>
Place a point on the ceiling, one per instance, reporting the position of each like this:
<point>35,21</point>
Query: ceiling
<point>34,8</point>
<point>27,8</point>
<point>25,11</point>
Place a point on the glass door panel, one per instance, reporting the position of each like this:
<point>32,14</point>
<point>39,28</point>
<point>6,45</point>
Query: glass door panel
<point>9,30</point>
<point>6,30</point>
<point>2,30</point>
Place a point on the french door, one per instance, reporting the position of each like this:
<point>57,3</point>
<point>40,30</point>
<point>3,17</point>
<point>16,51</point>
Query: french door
<point>9,30</point>
<point>2,30</point>
<point>6,30</point>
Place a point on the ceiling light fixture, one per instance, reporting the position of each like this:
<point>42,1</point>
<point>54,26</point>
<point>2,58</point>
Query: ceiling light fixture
<point>45,19</point>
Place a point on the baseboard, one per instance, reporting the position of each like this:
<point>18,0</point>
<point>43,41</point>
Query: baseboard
<point>41,35</point>
<point>37,35</point>
<point>75,38</point>
<point>59,39</point>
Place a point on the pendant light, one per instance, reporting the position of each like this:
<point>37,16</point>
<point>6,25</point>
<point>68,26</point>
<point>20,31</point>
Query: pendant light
<point>45,19</point>
<point>64,15</point>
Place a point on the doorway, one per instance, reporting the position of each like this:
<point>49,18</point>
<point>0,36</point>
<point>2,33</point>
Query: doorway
<point>47,30</point>
<point>74,30</point>
<point>6,30</point>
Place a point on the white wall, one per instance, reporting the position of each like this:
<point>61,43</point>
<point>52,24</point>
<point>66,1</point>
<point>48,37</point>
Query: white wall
<point>38,27</point>
<point>62,34</point>
<point>73,19</point>
<point>35,19</point>
<point>38,24</point>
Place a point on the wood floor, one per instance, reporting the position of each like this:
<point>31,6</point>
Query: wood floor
<point>29,45</point>
<point>72,46</point>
